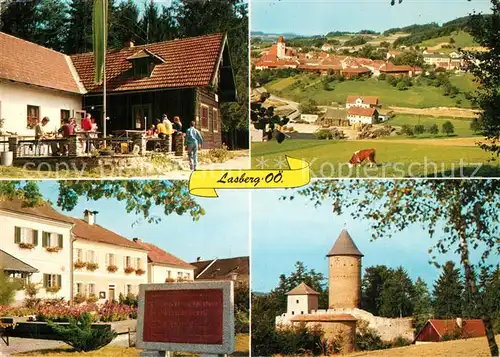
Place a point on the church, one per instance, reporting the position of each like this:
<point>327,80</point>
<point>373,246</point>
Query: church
<point>344,297</point>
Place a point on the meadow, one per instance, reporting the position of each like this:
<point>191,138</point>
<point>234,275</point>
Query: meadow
<point>461,126</point>
<point>405,157</point>
<point>302,86</point>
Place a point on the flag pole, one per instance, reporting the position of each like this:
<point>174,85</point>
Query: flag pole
<point>104,11</point>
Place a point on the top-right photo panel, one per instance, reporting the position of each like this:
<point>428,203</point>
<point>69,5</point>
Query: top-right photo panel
<point>376,88</point>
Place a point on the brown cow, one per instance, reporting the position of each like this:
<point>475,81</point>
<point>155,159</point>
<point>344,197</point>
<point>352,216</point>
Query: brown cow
<point>361,156</point>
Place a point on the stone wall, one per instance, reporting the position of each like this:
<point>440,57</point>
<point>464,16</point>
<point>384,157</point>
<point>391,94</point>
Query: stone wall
<point>344,281</point>
<point>387,328</point>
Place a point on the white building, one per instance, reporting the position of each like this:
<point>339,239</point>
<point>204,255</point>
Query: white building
<point>36,82</point>
<point>361,102</point>
<point>310,118</point>
<point>164,267</point>
<point>39,237</point>
<point>361,115</point>
<point>113,265</point>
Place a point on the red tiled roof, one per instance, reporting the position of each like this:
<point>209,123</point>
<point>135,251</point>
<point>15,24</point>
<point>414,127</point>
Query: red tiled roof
<point>323,318</point>
<point>371,100</point>
<point>96,233</point>
<point>302,289</point>
<point>26,62</point>
<point>356,70</point>
<point>471,328</point>
<point>189,62</point>
<point>364,112</point>
<point>44,210</point>
<point>389,67</point>
<point>159,256</point>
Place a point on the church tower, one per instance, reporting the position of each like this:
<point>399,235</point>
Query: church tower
<point>344,273</point>
<point>281,48</point>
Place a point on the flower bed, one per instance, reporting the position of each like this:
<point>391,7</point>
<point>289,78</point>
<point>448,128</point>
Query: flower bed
<point>15,311</point>
<point>106,313</point>
<point>92,266</point>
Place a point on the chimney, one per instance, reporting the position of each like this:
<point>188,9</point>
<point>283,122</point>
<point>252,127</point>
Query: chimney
<point>198,259</point>
<point>459,322</point>
<point>89,216</point>
<point>137,240</point>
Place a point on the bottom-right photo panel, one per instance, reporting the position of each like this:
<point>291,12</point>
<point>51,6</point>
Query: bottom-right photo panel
<point>377,268</point>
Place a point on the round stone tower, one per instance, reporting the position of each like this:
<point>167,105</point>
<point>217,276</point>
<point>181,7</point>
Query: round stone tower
<point>344,273</point>
<point>281,48</point>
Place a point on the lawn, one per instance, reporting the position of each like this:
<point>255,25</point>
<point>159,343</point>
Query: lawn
<point>462,126</point>
<point>403,158</point>
<point>297,88</point>
<point>242,349</point>
<point>462,39</point>
<point>464,82</point>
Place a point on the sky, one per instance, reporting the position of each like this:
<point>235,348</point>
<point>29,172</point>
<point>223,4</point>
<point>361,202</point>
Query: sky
<point>284,232</point>
<point>223,232</point>
<point>318,17</point>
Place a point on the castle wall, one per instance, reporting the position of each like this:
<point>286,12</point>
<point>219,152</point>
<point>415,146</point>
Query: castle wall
<point>344,281</point>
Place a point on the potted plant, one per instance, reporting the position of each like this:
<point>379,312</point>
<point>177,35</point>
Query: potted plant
<point>107,151</point>
<point>26,245</point>
<point>92,266</point>
<point>52,249</point>
<point>79,264</point>
<point>170,280</point>
<point>129,270</point>
<point>53,289</point>
<point>140,272</point>
<point>92,298</point>
<point>79,298</point>
<point>112,268</point>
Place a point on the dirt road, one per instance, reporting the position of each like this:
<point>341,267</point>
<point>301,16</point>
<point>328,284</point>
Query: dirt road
<point>438,112</point>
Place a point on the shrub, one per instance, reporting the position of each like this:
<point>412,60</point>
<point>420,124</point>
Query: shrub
<point>300,340</point>
<point>433,129</point>
<point>400,341</point>
<point>217,155</point>
<point>79,298</point>
<point>110,312</point>
<point>112,268</point>
<point>323,134</point>
<point>92,298</point>
<point>81,336</point>
<point>130,300</point>
<point>382,76</point>
<point>407,130</point>
<point>31,289</point>
<point>15,311</point>
<point>447,128</point>
<point>419,129</point>
<point>92,266</point>
<point>401,86</point>
<point>368,339</point>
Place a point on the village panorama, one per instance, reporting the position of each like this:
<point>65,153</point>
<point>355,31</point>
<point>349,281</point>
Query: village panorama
<point>401,99</point>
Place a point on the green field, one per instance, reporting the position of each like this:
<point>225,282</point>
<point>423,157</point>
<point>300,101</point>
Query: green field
<point>298,88</point>
<point>465,82</point>
<point>462,39</point>
<point>411,157</point>
<point>461,126</point>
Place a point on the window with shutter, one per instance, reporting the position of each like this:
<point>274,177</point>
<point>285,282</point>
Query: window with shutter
<point>45,280</point>
<point>17,235</point>
<point>45,240</point>
<point>35,238</point>
<point>204,117</point>
<point>59,280</point>
<point>60,240</point>
<point>216,120</point>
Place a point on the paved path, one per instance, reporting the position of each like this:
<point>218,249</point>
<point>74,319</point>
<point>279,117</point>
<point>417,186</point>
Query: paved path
<point>242,162</point>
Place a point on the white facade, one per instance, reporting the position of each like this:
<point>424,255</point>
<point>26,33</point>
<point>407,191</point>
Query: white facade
<point>162,273</point>
<point>357,103</point>
<point>16,97</point>
<point>104,284</point>
<point>281,50</point>
<point>361,119</point>
<point>54,268</point>
<point>311,118</point>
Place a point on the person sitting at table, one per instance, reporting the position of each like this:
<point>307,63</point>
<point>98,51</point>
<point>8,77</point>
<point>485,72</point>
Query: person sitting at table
<point>41,134</point>
<point>151,132</point>
<point>66,131</point>
<point>161,130</point>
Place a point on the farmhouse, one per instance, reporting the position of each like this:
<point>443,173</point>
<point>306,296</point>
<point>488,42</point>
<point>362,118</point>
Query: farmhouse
<point>344,295</point>
<point>67,256</point>
<point>439,330</point>
<point>399,70</point>
<point>362,102</point>
<point>188,78</point>
<point>358,115</point>
<point>334,117</point>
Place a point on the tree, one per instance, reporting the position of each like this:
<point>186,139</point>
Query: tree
<point>371,287</point>
<point>264,118</point>
<point>309,106</point>
<point>8,288</point>
<point>51,27</point>
<point>468,209</point>
<point>422,304</point>
<point>79,36</point>
<point>447,128</point>
<point>419,129</point>
<point>140,196</point>
<point>396,295</point>
<point>125,25</point>
<point>485,67</point>
<point>489,295</point>
<point>447,293</point>
<point>476,125</point>
<point>19,19</point>
<point>433,129</point>
<point>410,58</point>
<point>401,86</point>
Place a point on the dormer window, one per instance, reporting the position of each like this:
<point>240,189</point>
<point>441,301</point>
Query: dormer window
<point>143,63</point>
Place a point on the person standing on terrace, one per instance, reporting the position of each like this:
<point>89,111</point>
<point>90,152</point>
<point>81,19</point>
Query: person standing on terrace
<point>87,127</point>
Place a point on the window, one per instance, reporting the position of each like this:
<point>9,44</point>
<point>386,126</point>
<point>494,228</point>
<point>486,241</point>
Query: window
<point>25,236</point>
<point>128,261</point>
<point>179,276</point>
<point>51,280</point>
<point>215,120</point>
<point>78,254</point>
<point>110,259</point>
<point>64,115</point>
<point>142,67</point>
<point>204,117</point>
<point>169,274</point>
<point>33,116</point>
<point>188,276</point>
<point>138,263</point>
<point>91,256</point>
<point>91,288</point>
<point>129,289</point>
<point>52,240</point>
<point>22,278</point>
<point>302,312</point>
<point>79,288</point>
<point>293,312</point>
<point>297,301</point>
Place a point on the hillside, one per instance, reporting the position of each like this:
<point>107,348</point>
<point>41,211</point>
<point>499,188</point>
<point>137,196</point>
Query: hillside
<point>474,347</point>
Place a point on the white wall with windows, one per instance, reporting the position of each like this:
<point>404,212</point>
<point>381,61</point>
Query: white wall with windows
<point>21,103</point>
<point>45,245</point>
<point>164,273</point>
<point>107,270</point>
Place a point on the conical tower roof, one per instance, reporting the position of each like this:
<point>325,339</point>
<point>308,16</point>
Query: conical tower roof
<point>302,289</point>
<point>344,245</point>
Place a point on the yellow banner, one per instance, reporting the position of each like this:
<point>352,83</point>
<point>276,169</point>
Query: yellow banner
<point>204,183</point>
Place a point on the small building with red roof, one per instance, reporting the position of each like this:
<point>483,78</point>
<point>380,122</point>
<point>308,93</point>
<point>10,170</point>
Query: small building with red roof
<point>440,330</point>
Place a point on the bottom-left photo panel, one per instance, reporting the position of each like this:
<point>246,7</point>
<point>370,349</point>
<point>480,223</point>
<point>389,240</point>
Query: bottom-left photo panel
<point>123,268</point>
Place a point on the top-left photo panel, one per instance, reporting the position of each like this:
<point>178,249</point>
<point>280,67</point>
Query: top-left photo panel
<point>123,88</point>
